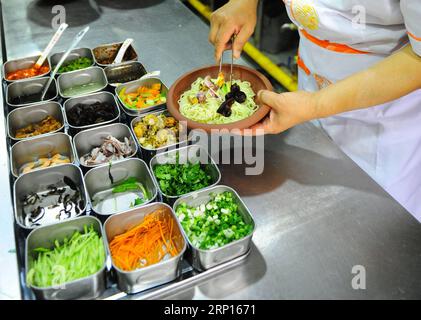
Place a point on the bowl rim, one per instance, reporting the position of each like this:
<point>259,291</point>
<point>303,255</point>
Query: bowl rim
<point>260,113</point>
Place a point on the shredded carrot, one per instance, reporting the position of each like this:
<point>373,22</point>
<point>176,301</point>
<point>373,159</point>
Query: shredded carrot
<point>145,244</point>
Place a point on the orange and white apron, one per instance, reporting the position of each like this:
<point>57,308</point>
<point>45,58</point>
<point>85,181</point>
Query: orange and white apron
<point>384,140</point>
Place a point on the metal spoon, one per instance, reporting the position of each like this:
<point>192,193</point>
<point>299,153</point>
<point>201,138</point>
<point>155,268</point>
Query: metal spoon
<point>75,41</point>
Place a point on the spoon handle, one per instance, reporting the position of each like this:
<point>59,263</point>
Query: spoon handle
<point>232,56</point>
<point>50,45</point>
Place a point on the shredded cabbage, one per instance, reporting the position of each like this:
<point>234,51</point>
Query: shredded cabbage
<point>206,112</point>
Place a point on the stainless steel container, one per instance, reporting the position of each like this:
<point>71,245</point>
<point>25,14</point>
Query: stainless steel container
<point>86,140</point>
<point>24,116</point>
<point>118,71</point>
<point>188,154</point>
<point>39,181</point>
<point>73,55</point>
<point>89,287</point>
<point>148,153</point>
<point>107,51</point>
<point>22,63</point>
<point>153,275</point>
<point>202,259</point>
<point>79,78</point>
<point>28,87</point>
<point>40,147</point>
<point>102,96</point>
<point>132,87</point>
<point>98,180</point>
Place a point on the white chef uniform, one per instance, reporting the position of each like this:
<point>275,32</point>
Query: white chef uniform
<point>384,140</point>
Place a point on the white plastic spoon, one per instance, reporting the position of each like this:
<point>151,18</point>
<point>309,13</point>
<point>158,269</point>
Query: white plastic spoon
<point>50,45</point>
<point>76,40</point>
<point>122,51</point>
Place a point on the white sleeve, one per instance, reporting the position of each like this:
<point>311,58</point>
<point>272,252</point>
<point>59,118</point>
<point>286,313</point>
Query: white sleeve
<point>411,11</point>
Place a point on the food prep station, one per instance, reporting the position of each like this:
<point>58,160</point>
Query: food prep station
<point>315,214</point>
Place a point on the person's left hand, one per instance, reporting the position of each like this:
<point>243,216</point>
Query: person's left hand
<point>287,110</point>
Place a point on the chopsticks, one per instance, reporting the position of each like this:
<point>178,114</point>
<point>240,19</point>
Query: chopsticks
<point>232,58</point>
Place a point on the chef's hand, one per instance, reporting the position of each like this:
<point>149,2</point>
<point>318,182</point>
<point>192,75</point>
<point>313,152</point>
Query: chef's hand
<point>287,110</point>
<point>236,17</point>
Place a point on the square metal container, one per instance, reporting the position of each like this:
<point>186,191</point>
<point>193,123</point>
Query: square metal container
<point>21,117</point>
<point>27,87</point>
<point>39,180</point>
<point>193,154</point>
<point>81,77</point>
<point>132,87</point>
<point>102,96</point>
<point>39,147</point>
<point>89,287</point>
<point>153,275</point>
<point>110,50</point>
<point>114,72</point>
<point>73,55</point>
<point>86,140</point>
<point>202,259</point>
<point>97,179</point>
<point>22,63</point>
<point>147,153</point>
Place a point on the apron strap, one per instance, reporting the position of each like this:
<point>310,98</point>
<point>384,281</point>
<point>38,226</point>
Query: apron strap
<point>332,46</point>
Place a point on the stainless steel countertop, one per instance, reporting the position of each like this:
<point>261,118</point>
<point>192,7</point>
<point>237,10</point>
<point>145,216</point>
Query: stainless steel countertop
<point>317,213</point>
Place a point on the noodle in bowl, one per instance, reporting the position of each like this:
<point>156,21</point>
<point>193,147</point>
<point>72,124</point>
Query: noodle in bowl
<point>206,112</point>
<point>184,95</point>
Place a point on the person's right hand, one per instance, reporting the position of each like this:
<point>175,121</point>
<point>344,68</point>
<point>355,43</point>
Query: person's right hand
<point>236,17</point>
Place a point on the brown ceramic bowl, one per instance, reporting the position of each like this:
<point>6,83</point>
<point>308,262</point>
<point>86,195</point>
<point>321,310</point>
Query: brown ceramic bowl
<point>182,84</point>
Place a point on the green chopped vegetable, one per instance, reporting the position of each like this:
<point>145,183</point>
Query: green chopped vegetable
<point>176,179</point>
<point>129,185</point>
<point>79,256</point>
<point>137,202</point>
<point>77,64</point>
<point>215,223</point>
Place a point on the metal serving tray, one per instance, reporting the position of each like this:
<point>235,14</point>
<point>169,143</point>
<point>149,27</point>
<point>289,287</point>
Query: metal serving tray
<point>93,286</point>
<point>89,287</point>
<point>86,140</point>
<point>193,154</point>
<point>131,87</point>
<point>40,147</point>
<point>102,96</point>
<point>153,275</point>
<point>73,55</point>
<point>189,277</point>
<point>206,259</point>
<point>22,63</point>
<point>81,77</point>
<point>21,117</point>
<point>113,72</point>
<point>98,179</point>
